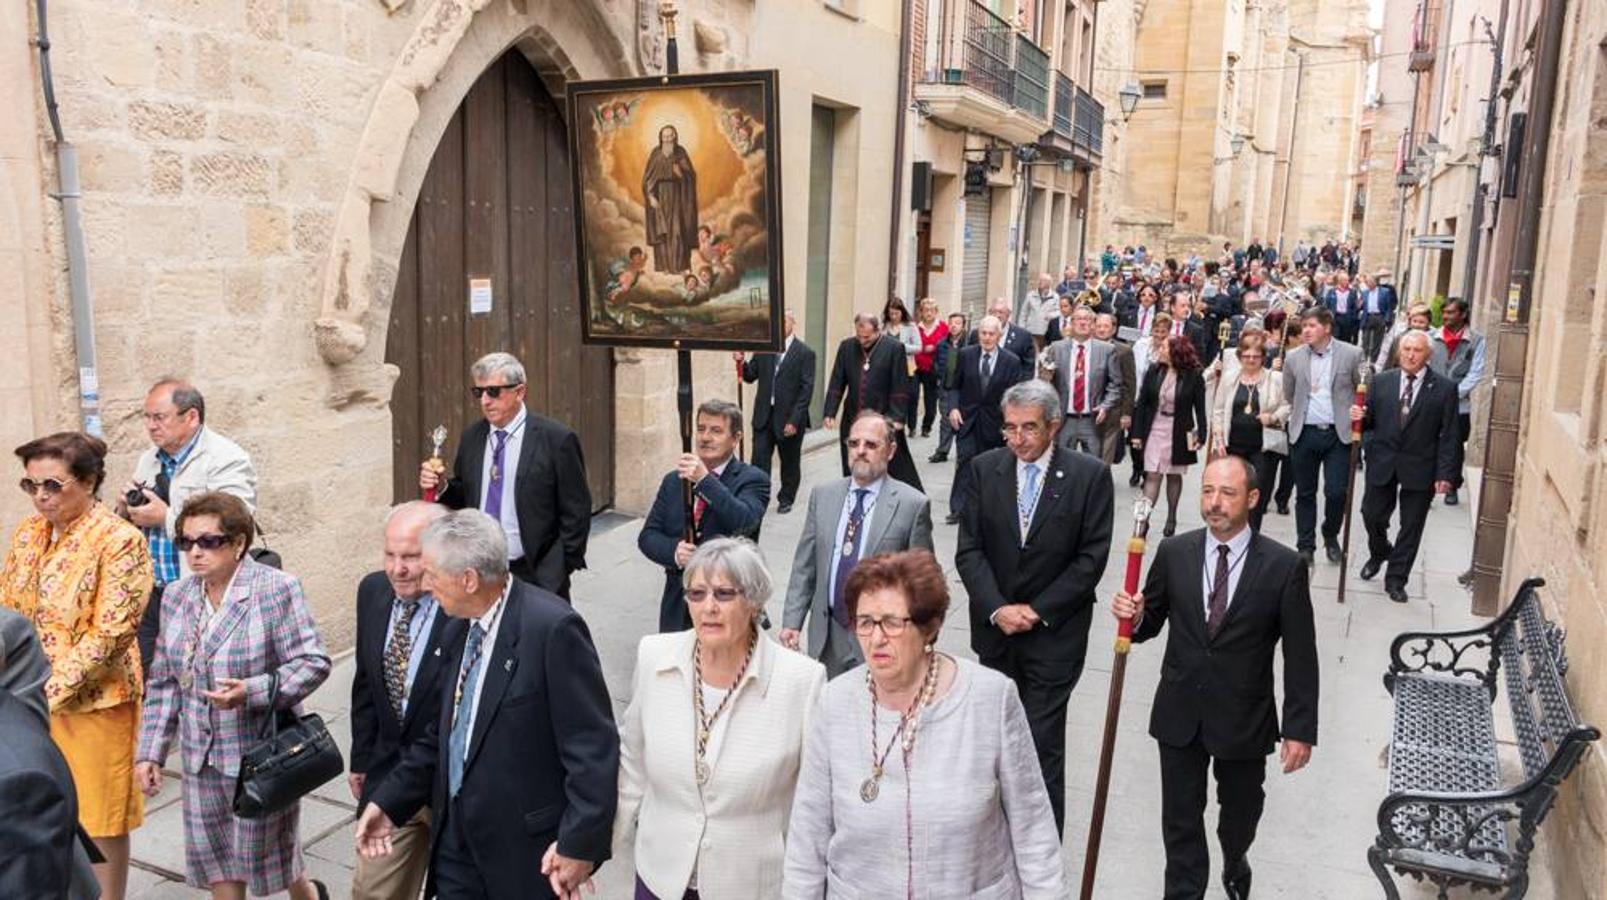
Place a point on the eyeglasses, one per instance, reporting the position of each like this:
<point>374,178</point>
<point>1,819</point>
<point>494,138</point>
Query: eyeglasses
<point>495,390</point>
<point>49,486</point>
<point>892,626</point>
<point>204,541</point>
<point>722,595</point>
<point>1028,429</point>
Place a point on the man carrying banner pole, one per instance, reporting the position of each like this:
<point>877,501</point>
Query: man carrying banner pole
<point>1232,596</point>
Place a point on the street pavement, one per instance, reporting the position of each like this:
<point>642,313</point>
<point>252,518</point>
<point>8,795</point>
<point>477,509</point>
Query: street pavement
<point>1318,823</point>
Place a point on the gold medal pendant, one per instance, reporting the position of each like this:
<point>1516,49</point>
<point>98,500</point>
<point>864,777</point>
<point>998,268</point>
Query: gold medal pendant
<point>186,681</point>
<point>848,550</point>
<point>869,790</point>
<point>701,771</point>
<point>866,366</point>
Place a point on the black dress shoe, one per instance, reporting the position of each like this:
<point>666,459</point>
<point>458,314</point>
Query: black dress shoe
<point>1398,594</point>
<point>953,519</point>
<point>926,432</point>
<point>1136,480</point>
<point>1370,569</point>
<point>783,508</point>
<point>939,456</point>
<point>1333,552</point>
<point>1451,499</point>
<point>1238,887</point>
<point>1307,558</point>
<point>1283,509</point>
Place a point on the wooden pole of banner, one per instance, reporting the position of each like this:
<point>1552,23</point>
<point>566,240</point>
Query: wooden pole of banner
<point>683,357</point>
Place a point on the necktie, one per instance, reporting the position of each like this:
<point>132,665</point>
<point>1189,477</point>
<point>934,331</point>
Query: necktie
<point>1027,499</point>
<point>397,651</point>
<point>468,678</point>
<point>1219,593</point>
<point>697,513</point>
<point>1143,321</point>
<point>493,491</point>
<point>853,538</point>
<point>987,369</point>
<point>1406,398</point>
<point>1079,384</point>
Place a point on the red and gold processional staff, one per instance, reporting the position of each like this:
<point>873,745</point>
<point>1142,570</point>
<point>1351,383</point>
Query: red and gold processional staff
<point>1113,705</point>
<point>1362,373</point>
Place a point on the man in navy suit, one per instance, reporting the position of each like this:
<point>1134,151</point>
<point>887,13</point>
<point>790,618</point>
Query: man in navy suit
<point>985,371</point>
<point>1345,303</point>
<point>730,498</point>
<point>523,470</point>
<point>1377,312</point>
<point>396,690</point>
<point>521,768</point>
<point>1011,337</point>
<point>781,407</point>
<point>1413,453</point>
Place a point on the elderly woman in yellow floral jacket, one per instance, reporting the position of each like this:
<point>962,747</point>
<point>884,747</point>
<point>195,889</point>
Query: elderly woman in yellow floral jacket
<point>82,575</point>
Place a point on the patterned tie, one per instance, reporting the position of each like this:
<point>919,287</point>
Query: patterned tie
<point>468,677</point>
<point>1027,500</point>
<point>1219,593</point>
<point>1079,384</point>
<point>397,651</point>
<point>493,491</point>
<point>853,539</point>
<point>1406,399</point>
<point>987,369</point>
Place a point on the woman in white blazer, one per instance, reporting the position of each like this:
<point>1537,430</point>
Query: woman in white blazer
<point>706,779</point>
<point>1248,415</point>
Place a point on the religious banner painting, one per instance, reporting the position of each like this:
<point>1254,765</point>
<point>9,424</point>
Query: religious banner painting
<point>678,210</point>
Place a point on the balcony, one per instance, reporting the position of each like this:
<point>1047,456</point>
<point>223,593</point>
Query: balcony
<point>1063,106</point>
<point>1088,127</point>
<point>982,74</point>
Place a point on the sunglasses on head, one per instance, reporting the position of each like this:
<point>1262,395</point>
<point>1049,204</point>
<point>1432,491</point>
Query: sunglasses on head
<point>48,486</point>
<point>204,541</point>
<point>495,390</point>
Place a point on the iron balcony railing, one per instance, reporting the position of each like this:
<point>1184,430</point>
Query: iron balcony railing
<point>1063,105</point>
<point>1088,124</point>
<point>1032,77</point>
<point>976,48</point>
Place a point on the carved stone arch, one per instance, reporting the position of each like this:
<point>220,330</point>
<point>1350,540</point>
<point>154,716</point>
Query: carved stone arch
<point>454,42</point>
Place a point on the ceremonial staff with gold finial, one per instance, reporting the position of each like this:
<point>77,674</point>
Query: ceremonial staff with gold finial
<point>1363,375</point>
<point>1113,705</point>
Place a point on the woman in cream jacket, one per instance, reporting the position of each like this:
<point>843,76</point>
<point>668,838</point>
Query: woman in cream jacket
<point>706,779</point>
<point>1248,415</point>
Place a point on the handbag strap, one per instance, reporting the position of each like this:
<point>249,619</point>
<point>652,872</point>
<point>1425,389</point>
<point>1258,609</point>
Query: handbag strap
<point>271,730</point>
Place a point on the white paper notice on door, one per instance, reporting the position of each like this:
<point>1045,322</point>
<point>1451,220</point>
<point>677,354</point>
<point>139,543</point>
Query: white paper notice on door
<point>479,296</point>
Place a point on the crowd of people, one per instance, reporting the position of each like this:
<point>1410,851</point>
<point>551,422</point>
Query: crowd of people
<point>825,760</point>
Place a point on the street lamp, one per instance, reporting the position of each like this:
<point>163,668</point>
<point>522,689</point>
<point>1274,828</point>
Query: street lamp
<point>1129,96</point>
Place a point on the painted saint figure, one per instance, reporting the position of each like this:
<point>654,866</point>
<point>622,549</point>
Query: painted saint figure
<point>670,186</point>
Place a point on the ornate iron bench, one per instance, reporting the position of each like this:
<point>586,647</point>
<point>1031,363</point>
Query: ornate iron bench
<point>1450,818</point>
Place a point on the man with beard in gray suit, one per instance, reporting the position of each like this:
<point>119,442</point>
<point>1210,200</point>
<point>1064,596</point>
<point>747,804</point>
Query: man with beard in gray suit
<point>866,514</point>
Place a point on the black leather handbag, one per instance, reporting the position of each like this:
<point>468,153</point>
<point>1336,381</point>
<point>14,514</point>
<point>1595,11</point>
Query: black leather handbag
<point>294,756</point>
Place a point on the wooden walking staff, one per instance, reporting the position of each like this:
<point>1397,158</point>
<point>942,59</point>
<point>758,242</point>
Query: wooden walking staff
<point>1113,705</point>
<point>1362,373</point>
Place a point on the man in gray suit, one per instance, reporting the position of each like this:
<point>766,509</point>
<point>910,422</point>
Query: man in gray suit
<point>1089,382</point>
<point>1319,379</point>
<point>23,667</point>
<point>866,514</point>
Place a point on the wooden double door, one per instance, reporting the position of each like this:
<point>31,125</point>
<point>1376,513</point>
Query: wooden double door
<point>493,228</point>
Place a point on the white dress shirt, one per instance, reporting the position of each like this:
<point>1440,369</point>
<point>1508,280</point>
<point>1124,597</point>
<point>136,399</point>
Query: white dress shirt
<point>490,622</point>
<point>774,380</point>
<point>1238,546</point>
<point>510,476</point>
<point>1320,405</point>
<point>1088,378</point>
<point>1146,317</point>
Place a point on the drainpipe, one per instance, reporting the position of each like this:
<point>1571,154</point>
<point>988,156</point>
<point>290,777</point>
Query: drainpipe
<point>900,124</point>
<point>1512,349</point>
<point>68,193</point>
<point>1470,272</point>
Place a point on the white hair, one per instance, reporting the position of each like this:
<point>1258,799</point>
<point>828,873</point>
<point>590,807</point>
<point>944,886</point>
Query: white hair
<point>468,539</point>
<point>423,510</point>
<point>739,560</point>
<point>1034,392</point>
<point>505,364</point>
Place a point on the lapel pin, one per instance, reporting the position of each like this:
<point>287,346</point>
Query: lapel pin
<point>437,651</point>
<point>1059,474</point>
<point>507,665</point>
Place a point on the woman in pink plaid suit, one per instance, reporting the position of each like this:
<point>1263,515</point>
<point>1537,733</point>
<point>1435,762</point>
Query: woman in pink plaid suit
<point>228,630</point>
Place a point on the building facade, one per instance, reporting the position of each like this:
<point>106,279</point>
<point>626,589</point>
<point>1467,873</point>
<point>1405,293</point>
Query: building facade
<point>283,200</point>
<point>1248,111</point>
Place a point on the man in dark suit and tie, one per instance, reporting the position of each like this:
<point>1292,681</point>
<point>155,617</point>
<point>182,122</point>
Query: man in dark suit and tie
<point>1185,324</point>
<point>871,371</point>
<point>1034,540</point>
<point>946,362</point>
<point>396,691</point>
<point>781,407</point>
<point>1014,338</point>
<point>521,768</point>
<point>985,371</point>
<point>1413,452</point>
<point>523,470</point>
<point>1232,597</point>
<point>729,500</point>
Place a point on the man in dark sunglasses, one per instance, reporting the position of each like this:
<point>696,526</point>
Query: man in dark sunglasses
<point>523,470</point>
<point>186,458</point>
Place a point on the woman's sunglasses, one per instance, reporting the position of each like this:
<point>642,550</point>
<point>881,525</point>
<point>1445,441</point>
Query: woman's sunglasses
<point>204,541</point>
<point>495,390</point>
<point>49,486</point>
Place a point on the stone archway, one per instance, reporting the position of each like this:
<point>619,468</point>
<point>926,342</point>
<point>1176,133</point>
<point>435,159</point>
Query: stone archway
<point>454,42</point>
